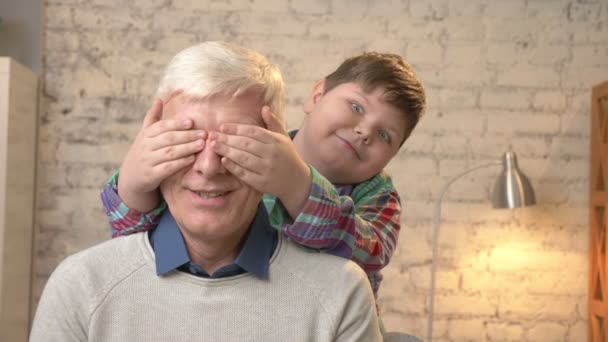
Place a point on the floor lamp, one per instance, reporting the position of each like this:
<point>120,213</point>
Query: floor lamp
<point>511,190</point>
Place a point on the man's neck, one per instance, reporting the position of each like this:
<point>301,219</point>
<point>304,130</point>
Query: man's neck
<point>212,255</point>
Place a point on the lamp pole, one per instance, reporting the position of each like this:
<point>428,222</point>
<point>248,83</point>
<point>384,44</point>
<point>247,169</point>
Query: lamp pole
<point>434,243</point>
<point>511,190</point>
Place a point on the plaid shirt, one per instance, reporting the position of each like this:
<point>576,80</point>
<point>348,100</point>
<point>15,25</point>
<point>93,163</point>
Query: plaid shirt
<point>358,222</point>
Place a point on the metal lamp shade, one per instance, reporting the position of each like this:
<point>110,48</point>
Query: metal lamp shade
<point>512,188</point>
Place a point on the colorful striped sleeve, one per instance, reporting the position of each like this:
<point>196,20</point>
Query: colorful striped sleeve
<point>123,220</point>
<point>362,226</point>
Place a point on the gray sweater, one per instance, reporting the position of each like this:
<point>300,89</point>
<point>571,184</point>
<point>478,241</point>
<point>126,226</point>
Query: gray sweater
<point>111,293</point>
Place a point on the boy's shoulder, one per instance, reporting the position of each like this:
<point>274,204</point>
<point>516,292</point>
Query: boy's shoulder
<point>382,182</point>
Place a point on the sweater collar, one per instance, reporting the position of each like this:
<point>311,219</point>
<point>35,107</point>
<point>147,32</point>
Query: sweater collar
<point>254,257</point>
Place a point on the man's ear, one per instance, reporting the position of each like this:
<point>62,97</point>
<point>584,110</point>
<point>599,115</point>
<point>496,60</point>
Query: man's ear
<point>315,96</point>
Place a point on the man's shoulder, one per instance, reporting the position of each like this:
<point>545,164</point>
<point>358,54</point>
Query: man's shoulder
<point>321,268</point>
<point>106,262</point>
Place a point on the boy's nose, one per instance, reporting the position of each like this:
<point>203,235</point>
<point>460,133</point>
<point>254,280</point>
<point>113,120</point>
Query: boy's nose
<point>363,133</point>
<point>208,163</point>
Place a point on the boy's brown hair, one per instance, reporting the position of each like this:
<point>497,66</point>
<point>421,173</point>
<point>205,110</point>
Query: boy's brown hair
<point>403,89</point>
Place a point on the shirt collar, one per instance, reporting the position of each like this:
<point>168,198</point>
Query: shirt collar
<point>254,257</point>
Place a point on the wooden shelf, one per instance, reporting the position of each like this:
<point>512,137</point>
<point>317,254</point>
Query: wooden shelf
<point>18,117</point>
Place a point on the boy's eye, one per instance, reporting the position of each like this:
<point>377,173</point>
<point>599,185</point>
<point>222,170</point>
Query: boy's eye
<point>384,135</point>
<point>357,108</point>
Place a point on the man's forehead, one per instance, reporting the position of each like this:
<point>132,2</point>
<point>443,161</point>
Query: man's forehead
<point>241,108</point>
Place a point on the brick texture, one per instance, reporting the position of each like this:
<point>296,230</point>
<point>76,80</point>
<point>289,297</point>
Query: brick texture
<point>499,74</point>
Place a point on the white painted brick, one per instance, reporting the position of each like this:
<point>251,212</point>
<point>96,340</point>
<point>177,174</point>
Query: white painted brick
<point>576,124</point>
<point>584,33</point>
<point>458,98</point>
<point>468,76</point>
<point>505,9</point>
<point>344,28</point>
<point>510,29</point>
<point>536,306</point>
<point>311,7</point>
<point>465,30</point>
<point>212,6</point>
<point>578,331</point>
<point>529,76</point>
<point>425,53</point>
<point>418,142</point>
<point>546,55</point>
<point>413,29</point>
<point>502,53</point>
<point>467,330</point>
<point>452,146</point>
<point>579,101</point>
<point>354,9</point>
<point>546,11</point>
<point>62,17</point>
<point>549,101</point>
<point>589,55</point>
<point>62,40</point>
<point>570,146</point>
<point>390,8</point>
<point>464,8</point>
<point>464,54</point>
<point>430,10</point>
<point>582,77</point>
<point>548,331</point>
<point>516,122</point>
<point>463,304</point>
<point>531,146</point>
<point>468,122</point>
<point>584,12</point>
<point>508,331</point>
<point>392,45</point>
<point>505,98</point>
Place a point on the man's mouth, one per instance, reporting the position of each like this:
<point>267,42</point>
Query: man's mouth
<point>211,194</point>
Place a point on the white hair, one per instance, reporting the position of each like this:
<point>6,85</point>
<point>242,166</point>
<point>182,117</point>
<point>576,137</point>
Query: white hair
<point>216,67</point>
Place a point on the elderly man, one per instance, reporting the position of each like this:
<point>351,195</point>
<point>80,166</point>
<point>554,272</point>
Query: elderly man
<point>157,286</point>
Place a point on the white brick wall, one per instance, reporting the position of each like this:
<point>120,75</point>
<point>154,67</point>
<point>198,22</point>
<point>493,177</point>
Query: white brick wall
<point>499,74</point>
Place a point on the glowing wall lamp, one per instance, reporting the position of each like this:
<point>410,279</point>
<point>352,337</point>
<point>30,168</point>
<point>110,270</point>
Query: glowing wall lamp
<point>511,190</point>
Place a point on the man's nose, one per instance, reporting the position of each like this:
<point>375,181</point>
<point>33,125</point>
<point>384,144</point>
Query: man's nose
<point>208,162</point>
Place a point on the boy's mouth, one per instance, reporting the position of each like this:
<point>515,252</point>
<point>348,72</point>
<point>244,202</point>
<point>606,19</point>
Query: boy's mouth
<point>350,147</point>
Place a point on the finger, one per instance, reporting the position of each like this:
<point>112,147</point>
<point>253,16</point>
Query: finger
<point>175,152</point>
<point>272,122</point>
<point>154,113</point>
<point>167,125</point>
<point>166,169</point>
<point>171,138</point>
<point>238,143</point>
<point>250,131</point>
<point>244,159</point>
<point>249,177</point>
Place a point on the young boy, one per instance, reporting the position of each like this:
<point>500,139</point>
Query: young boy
<point>325,189</point>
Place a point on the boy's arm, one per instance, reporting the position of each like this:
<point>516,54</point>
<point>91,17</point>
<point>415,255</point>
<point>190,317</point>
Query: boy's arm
<point>363,226</point>
<point>123,220</point>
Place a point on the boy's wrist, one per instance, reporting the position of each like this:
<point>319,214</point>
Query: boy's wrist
<point>142,202</point>
<point>295,198</point>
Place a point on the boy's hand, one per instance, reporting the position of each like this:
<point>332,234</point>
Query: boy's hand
<point>266,159</point>
<point>161,148</point>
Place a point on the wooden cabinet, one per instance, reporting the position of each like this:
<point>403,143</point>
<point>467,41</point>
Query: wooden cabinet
<point>598,216</point>
<point>18,117</point>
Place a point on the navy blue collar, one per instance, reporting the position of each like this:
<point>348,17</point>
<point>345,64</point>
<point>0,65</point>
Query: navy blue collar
<point>259,244</point>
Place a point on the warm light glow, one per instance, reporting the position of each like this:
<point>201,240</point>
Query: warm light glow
<point>511,256</point>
